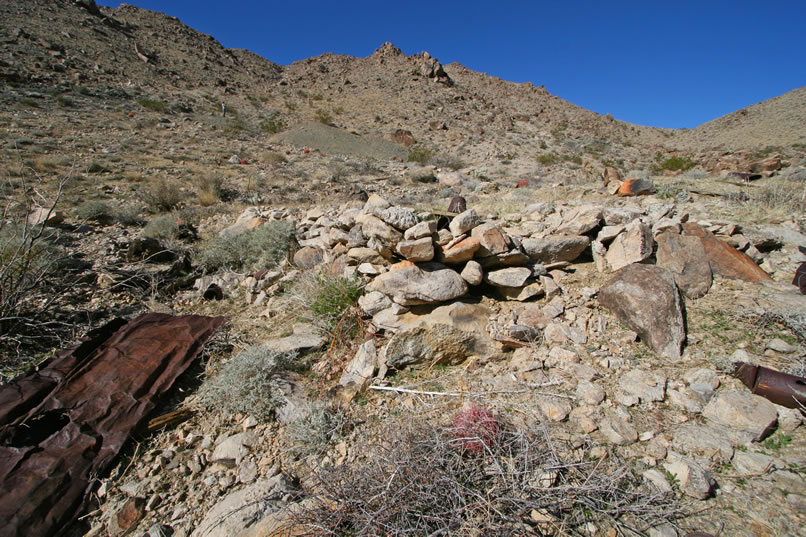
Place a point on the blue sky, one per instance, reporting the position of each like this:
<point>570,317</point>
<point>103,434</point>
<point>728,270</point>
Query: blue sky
<point>666,64</point>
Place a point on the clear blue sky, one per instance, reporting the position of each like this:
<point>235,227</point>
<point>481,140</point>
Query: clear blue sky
<point>660,63</point>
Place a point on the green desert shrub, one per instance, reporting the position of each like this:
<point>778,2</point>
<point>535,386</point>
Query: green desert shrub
<point>331,301</point>
<point>151,104</point>
<point>547,159</point>
<point>162,227</point>
<point>248,383</point>
<point>675,164</point>
<point>262,247</point>
<point>323,116</point>
<point>274,123</point>
<point>96,211</point>
<point>420,154</point>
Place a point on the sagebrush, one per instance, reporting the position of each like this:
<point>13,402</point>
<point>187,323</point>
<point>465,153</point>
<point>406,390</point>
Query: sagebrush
<point>248,383</point>
<point>262,247</point>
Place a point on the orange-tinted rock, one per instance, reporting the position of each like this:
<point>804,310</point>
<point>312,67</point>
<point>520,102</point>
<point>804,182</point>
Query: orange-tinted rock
<point>401,265</point>
<point>129,515</point>
<point>726,260</point>
<point>636,187</point>
<point>461,251</point>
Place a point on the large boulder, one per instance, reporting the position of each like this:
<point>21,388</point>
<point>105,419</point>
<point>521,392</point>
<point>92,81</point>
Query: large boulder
<point>686,258</point>
<point>374,227</point>
<point>508,277</point>
<point>308,256</point>
<point>636,187</point>
<point>581,220</point>
<point>360,369</point>
<point>726,260</point>
<point>555,248</point>
<point>409,284</point>
<point>417,250</point>
<point>400,217</point>
<point>252,503</point>
<point>460,252</point>
<point>646,298</point>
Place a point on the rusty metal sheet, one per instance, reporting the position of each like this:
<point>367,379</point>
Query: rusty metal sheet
<point>69,420</point>
<point>780,388</point>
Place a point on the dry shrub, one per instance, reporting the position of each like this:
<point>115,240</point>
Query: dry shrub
<point>263,247</point>
<point>419,481</point>
<point>163,196</point>
<point>273,157</point>
<point>208,189</point>
<point>782,194</point>
<point>37,278</point>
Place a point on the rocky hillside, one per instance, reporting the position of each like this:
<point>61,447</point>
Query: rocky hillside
<point>777,121</point>
<point>454,305</point>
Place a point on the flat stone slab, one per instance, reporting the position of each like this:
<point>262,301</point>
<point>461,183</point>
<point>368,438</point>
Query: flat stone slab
<point>743,413</point>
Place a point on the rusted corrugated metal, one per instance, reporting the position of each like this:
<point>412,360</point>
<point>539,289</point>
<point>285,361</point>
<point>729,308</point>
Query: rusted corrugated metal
<point>69,420</point>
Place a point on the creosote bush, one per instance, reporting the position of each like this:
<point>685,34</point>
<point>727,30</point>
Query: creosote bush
<point>420,154</point>
<point>248,383</point>
<point>675,164</point>
<point>262,247</point>
<point>323,116</point>
<point>331,301</point>
<point>162,227</point>
<point>154,105</point>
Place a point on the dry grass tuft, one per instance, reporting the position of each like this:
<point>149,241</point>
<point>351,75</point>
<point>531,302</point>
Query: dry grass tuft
<point>208,189</point>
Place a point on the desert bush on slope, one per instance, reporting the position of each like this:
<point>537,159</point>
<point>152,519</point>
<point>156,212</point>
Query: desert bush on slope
<point>32,279</point>
<point>262,247</point>
<point>248,383</point>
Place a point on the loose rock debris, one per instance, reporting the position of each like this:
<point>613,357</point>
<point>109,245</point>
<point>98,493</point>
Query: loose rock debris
<point>68,421</point>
